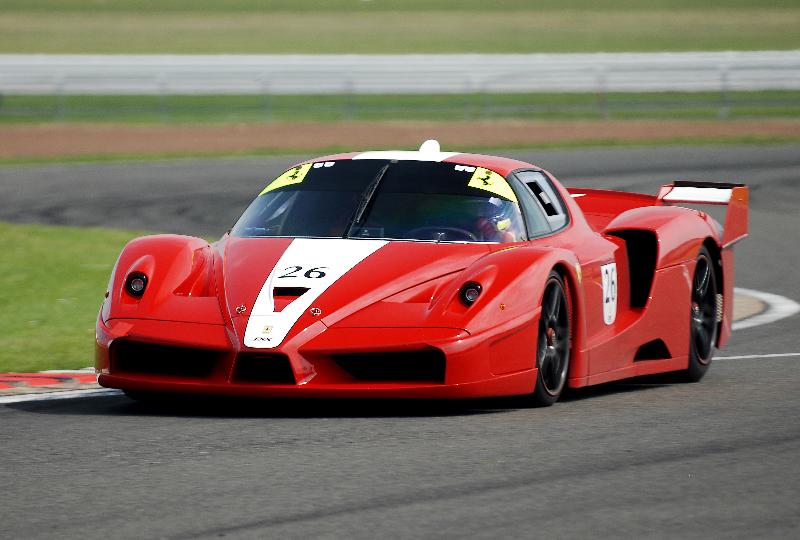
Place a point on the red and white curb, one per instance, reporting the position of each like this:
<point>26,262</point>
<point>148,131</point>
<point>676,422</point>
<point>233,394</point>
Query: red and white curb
<point>51,384</point>
<point>60,394</point>
<point>66,384</point>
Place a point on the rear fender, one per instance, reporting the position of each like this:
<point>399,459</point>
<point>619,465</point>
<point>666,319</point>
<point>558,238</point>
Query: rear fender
<point>736,200</point>
<point>679,231</point>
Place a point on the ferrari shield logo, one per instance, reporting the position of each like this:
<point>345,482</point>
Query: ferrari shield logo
<point>267,330</point>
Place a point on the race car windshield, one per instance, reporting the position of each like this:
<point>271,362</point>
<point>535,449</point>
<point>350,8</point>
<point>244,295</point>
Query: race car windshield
<point>402,200</point>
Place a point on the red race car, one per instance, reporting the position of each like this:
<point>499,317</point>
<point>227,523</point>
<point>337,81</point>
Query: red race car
<point>426,274</point>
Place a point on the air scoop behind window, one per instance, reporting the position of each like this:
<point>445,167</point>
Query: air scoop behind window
<point>284,296</point>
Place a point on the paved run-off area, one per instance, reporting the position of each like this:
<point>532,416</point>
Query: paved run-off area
<point>713,459</point>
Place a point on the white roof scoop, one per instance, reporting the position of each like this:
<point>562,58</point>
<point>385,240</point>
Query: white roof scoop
<point>428,151</point>
<point>431,146</point>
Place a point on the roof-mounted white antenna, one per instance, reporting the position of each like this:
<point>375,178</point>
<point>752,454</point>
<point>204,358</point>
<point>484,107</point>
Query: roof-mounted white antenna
<point>431,146</point>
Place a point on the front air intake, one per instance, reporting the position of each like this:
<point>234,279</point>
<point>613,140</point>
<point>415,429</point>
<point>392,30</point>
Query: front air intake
<point>427,365</point>
<point>137,358</point>
<point>259,368</point>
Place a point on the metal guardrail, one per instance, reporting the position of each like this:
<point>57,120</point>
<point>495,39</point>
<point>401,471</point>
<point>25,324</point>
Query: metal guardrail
<point>397,74</point>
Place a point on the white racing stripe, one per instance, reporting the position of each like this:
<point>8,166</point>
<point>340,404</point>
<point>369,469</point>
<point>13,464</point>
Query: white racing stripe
<point>309,263</point>
<point>778,307</point>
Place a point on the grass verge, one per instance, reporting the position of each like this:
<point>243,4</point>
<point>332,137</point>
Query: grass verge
<point>333,108</point>
<point>354,26</point>
<point>53,280</point>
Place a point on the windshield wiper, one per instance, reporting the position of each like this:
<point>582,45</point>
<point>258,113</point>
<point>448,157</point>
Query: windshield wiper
<point>366,201</point>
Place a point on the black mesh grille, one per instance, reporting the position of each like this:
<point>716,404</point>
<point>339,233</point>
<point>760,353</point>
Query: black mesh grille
<point>413,366</point>
<point>263,368</point>
<point>152,359</point>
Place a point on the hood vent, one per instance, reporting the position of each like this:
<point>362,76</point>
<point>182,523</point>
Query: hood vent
<point>283,296</point>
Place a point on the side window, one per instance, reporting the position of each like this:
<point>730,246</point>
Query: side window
<point>535,218</point>
<point>546,195</point>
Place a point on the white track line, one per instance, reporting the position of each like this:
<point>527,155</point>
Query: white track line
<point>778,307</point>
<point>66,394</point>
<point>748,356</point>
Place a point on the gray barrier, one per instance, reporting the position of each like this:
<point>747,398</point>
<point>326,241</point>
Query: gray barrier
<point>397,74</point>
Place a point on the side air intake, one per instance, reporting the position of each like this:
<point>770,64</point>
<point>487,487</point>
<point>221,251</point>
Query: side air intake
<point>653,350</point>
<point>642,247</point>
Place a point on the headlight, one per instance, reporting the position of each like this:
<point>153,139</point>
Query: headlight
<point>469,292</point>
<point>136,283</point>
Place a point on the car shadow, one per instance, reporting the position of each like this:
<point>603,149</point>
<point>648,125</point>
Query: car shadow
<point>219,407</point>
<point>636,384</point>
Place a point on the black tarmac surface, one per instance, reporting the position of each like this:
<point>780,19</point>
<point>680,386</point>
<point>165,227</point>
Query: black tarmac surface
<point>713,459</point>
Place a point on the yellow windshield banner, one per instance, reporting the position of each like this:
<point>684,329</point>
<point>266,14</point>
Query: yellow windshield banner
<point>295,175</point>
<point>492,182</point>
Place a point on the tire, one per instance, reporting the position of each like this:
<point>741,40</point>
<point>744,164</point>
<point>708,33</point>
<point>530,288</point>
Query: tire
<point>703,325</point>
<point>553,344</point>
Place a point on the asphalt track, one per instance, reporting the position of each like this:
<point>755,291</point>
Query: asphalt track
<point>642,459</point>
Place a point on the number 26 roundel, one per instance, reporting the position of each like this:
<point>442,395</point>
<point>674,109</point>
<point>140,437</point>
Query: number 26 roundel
<point>609,276</point>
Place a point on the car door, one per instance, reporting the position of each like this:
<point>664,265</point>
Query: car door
<point>603,263</point>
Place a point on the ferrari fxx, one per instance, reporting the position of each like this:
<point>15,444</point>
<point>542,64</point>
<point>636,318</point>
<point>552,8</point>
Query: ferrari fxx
<point>426,274</point>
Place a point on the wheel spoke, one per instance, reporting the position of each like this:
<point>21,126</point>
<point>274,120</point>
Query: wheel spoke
<point>545,367</point>
<point>554,365</point>
<point>557,305</point>
<point>703,278</point>
<point>562,332</point>
<point>702,336</point>
<point>550,299</point>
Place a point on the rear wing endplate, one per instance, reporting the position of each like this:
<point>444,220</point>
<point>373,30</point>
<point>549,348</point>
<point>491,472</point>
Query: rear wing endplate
<point>735,196</point>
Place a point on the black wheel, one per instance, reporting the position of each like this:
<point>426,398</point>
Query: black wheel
<point>703,324</point>
<point>552,353</point>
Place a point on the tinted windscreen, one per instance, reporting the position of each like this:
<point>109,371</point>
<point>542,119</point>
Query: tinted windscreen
<point>414,200</point>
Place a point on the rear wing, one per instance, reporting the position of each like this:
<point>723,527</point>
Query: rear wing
<point>735,196</point>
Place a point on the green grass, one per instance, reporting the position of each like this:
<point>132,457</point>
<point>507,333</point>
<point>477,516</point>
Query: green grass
<point>53,280</point>
<point>244,108</point>
<point>305,6</point>
<point>394,26</point>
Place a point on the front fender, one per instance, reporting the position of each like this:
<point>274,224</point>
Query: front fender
<point>511,279</point>
<point>180,284</point>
